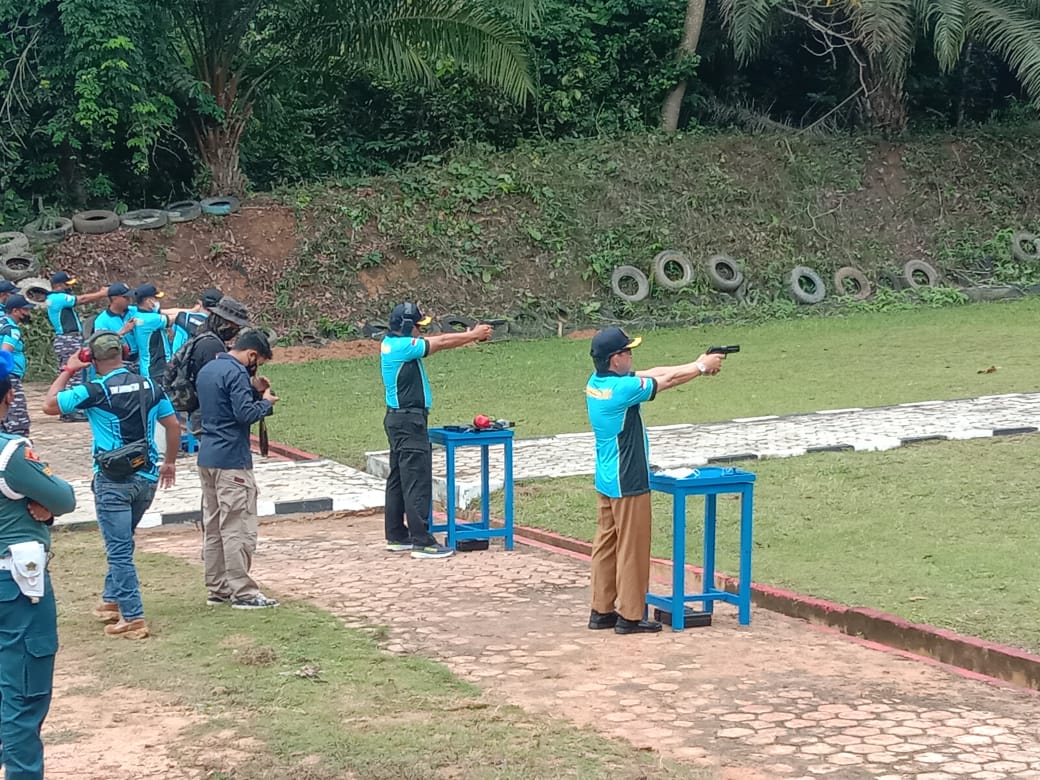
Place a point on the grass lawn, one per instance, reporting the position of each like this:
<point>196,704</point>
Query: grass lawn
<point>335,408</point>
<point>940,532</point>
<point>377,716</point>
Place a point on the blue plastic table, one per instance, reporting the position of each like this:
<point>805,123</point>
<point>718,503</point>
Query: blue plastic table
<point>453,440</point>
<point>710,482</point>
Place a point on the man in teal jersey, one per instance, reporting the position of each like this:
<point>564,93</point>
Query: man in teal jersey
<point>410,483</point>
<point>621,548</point>
<point>150,325</point>
<point>19,312</point>
<point>68,330</point>
<point>30,497</point>
<point>188,323</point>
<point>122,409</point>
<point>116,316</point>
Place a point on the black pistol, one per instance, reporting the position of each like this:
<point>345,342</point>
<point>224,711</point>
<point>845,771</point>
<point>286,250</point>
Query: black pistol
<point>728,350</point>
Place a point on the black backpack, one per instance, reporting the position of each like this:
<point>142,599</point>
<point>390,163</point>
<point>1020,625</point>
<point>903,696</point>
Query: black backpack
<point>179,379</point>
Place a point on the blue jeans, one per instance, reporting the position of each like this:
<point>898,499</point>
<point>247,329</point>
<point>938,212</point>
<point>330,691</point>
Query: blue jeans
<point>28,643</point>
<point>120,507</point>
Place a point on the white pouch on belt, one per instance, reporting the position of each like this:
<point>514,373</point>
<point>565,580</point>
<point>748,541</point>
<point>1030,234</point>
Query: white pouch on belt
<point>28,567</point>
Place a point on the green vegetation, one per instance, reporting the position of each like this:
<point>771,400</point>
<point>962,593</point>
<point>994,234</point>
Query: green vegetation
<point>352,707</point>
<point>941,533</point>
<point>335,408</point>
<point>526,233</point>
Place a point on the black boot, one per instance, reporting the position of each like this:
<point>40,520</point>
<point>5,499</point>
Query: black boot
<point>598,620</point>
<point>636,626</point>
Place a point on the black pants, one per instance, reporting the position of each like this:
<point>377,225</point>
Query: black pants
<point>409,487</point>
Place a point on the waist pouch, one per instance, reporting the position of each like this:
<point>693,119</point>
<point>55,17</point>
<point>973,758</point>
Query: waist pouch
<point>124,462</point>
<point>28,567</point>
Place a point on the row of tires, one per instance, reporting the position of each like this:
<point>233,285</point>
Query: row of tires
<point>673,271</point>
<point>99,222</point>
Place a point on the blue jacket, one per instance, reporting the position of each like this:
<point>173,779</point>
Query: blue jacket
<point>228,409</point>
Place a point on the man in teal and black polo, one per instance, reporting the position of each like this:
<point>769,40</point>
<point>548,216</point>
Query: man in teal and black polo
<point>19,312</point>
<point>115,317</point>
<point>621,548</point>
<point>409,487</point>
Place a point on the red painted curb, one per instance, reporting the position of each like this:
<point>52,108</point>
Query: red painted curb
<point>975,655</point>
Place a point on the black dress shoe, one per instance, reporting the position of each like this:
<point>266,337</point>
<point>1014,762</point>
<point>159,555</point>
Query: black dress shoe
<point>599,620</point>
<point>636,626</point>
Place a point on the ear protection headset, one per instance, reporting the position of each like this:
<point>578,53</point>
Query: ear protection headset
<point>409,318</point>
<point>86,354</point>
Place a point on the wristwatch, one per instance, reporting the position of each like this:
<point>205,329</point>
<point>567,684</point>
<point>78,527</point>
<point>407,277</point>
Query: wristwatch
<point>701,367</point>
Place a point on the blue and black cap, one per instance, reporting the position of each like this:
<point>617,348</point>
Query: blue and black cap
<point>406,316</point>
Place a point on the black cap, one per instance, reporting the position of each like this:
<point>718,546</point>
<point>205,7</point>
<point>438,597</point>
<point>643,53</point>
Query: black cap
<point>147,290</point>
<point>62,278</point>
<point>117,289</point>
<point>7,286</point>
<point>17,301</point>
<point>407,312</point>
<point>610,341</point>
<point>227,308</point>
<point>211,297</point>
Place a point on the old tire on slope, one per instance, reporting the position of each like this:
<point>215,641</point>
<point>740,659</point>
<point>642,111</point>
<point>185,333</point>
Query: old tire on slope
<point>806,286</point>
<point>35,233</point>
<point>918,273</point>
<point>35,288</point>
<point>95,222</point>
<point>724,273</point>
<point>143,219</point>
<point>848,276</point>
<point>183,211</point>
<point>667,258</point>
<point>14,268</point>
<point>454,323</point>
<point>13,242</point>
<point>220,206</point>
<point>1025,247</point>
<point>629,272</point>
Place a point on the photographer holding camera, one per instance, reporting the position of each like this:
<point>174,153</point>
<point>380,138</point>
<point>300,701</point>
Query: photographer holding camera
<point>124,410</point>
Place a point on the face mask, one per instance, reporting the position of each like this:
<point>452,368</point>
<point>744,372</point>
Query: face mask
<point>227,332</point>
<point>27,319</point>
<point>155,306</point>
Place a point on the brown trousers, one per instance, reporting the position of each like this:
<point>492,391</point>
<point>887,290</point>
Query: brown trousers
<point>621,555</point>
<point>229,526</point>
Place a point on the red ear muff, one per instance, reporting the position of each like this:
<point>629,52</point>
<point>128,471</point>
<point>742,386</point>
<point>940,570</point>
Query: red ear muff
<point>126,352</point>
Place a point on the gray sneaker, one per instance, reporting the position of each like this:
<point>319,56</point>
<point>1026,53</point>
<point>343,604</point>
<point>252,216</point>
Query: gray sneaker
<point>432,551</point>
<point>259,601</point>
<point>399,546</point>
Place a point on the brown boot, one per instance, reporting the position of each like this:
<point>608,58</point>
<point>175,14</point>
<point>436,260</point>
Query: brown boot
<point>107,612</point>
<point>134,629</point>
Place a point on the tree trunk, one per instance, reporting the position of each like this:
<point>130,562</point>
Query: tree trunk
<point>885,103</point>
<point>219,152</point>
<point>687,47</point>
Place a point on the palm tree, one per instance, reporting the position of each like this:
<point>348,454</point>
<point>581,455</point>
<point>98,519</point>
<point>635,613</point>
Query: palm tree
<point>232,48</point>
<point>881,35</point>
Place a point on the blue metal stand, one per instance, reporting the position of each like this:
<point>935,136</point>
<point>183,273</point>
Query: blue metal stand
<point>453,440</point>
<point>709,481</point>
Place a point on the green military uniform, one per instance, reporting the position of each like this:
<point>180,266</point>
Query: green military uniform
<point>28,629</point>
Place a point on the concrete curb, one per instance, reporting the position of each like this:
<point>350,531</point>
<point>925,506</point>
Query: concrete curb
<point>1007,664</point>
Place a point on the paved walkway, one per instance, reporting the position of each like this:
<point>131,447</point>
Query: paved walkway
<point>777,699</point>
<point>691,445</point>
<point>286,487</point>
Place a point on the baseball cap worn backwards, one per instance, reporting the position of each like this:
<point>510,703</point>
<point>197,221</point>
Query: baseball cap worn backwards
<point>17,301</point>
<point>610,341</point>
<point>211,297</point>
<point>61,277</point>
<point>118,289</point>
<point>407,311</point>
<point>147,291</point>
